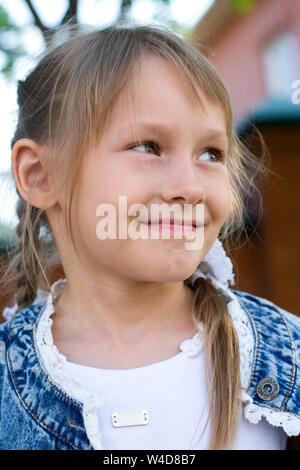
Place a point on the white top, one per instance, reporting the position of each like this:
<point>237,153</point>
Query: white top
<point>172,391</point>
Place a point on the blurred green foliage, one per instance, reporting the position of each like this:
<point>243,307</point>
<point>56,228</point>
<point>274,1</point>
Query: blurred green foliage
<point>10,43</point>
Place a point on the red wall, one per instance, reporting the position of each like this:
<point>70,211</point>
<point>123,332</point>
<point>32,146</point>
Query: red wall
<point>237,50</point>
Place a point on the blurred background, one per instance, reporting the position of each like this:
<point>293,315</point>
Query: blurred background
<point>255,46</point>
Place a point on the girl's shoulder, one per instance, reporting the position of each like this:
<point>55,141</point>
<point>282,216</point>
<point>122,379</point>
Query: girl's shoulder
<point>15,322</point>
<point>266,314</point>
<point>273,376</point>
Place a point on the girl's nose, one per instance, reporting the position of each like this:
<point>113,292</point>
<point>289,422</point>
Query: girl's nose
<point>183,184</point>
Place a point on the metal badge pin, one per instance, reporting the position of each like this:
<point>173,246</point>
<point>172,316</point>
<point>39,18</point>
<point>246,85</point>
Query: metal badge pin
<point>130,418</point>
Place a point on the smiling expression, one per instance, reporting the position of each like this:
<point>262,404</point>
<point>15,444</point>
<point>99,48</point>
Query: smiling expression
<point>179,157</point>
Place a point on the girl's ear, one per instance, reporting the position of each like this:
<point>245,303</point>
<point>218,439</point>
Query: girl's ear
<point>30,174</point>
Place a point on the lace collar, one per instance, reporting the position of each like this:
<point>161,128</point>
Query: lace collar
<point>54,361</point>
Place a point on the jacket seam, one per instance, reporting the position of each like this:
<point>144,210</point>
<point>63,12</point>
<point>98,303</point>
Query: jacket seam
<point>284,410</point>
<point>293,367</point>
<point>256,351</point>
<point>42,423</point>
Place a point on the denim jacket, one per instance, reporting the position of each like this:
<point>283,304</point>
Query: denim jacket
<point>39,411</point>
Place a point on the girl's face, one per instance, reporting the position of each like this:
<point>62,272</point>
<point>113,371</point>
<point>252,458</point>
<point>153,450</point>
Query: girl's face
<point>174,166</point>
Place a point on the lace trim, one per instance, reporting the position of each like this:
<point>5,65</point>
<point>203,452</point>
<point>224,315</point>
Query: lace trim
<point>53,362</point>
<point>254,413</point>
<point>218,264</point>
<point>192,346</point>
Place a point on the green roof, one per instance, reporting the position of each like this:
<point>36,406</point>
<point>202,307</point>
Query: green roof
<point>271,111</point>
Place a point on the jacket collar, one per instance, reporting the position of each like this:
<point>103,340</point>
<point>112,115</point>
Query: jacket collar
<point>47,403</point>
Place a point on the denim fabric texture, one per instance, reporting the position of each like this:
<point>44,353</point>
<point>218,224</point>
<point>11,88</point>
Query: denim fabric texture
<point>36,413</point>
<point>277,352</point>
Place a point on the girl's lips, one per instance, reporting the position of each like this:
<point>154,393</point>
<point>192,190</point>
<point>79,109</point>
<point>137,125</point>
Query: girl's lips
<point>173,228</point>
<point>171,225</point>
<point>175,224</point>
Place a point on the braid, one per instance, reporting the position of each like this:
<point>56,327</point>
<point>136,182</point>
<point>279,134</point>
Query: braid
<point>222,354</point>
<point>30,253</point>
<point>31,259</point>
<point>26,285</point>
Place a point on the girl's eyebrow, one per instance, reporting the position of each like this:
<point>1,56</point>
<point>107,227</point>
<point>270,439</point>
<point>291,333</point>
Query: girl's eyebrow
<point>165,130</point>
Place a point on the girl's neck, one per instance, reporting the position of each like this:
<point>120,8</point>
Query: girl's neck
<point>118,312</point>
<point>129,326</point>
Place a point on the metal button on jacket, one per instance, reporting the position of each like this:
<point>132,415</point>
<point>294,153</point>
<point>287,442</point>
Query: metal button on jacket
<point>267,389</point>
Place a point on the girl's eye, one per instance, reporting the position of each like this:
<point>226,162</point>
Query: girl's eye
<point>218,155</point>
<point>148,146</point>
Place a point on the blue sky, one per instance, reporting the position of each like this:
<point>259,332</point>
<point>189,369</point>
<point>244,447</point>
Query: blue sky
<point>186,12</point>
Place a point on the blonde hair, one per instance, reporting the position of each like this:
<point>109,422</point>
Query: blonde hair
<point>88,71</point>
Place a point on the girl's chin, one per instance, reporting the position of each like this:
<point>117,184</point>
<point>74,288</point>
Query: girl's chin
<point>168,271</point>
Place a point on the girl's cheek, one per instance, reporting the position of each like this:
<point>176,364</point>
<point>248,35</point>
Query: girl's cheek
<point>219,199</point>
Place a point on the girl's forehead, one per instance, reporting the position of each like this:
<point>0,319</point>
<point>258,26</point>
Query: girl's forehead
<point>156,97</point>
<point>157,93</point>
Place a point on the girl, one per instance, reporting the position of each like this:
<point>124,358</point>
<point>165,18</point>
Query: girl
<point>140,344</point>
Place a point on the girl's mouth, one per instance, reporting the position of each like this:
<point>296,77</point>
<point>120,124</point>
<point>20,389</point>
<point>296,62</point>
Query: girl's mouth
<point>172,228</point>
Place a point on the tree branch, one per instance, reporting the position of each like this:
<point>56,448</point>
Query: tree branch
<point>124,9</point>
<point>71,13</point>
<point>37,20</point>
